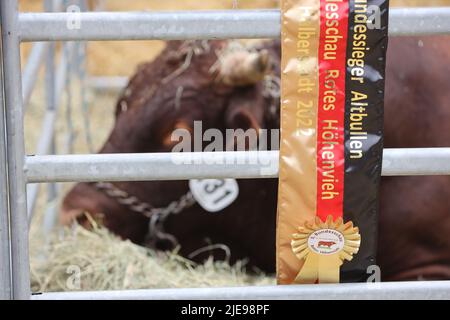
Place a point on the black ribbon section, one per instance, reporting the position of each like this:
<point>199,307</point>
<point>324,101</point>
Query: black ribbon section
<point>366,61</point>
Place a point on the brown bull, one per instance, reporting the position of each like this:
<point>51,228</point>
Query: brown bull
<point>186,83</point>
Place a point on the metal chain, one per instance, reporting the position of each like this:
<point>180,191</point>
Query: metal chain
<point>157,216</point>
<point>136,205</point>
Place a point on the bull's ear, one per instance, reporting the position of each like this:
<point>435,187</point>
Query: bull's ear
<point>245,108</point>
<point>244,120</point>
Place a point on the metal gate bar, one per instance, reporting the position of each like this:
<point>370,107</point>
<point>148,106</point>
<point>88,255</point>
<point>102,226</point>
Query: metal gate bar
<point>34,62</point>
<point>203,165</point>
<point>104,83</point>
<point>5,261</point>
<point>15,145</point>
<point>364,291</point>
<point>31,70</point>
<point>48,124</point>
<point>181,25</point>
<point>170,25</point>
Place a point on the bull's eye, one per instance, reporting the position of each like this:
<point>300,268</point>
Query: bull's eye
<point>179,128</point>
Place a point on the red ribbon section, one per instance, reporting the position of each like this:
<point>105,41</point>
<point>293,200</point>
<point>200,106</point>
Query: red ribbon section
<point>331,113</point>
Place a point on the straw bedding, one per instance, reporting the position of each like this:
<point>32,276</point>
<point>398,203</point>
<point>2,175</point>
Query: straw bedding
<point>106,262</point>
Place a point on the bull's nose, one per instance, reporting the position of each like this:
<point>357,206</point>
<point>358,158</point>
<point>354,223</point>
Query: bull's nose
<point>69,215</point>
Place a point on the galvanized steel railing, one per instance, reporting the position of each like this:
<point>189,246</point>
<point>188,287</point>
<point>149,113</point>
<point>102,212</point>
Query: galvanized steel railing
<point>17,170</point>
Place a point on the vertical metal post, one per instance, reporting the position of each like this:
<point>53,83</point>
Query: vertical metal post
<point>16,150</point>
<point>31,70</point>
<point>82,71</point>
<point>48,128</point>
<point>5,255</point>
<point>50,85</point>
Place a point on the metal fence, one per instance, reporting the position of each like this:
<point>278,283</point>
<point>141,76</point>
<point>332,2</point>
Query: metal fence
<point>17,170</point>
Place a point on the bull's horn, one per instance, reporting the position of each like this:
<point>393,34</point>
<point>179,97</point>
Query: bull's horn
<point>242,68</point>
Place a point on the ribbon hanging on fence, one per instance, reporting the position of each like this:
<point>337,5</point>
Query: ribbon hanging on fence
<point>333,60</point>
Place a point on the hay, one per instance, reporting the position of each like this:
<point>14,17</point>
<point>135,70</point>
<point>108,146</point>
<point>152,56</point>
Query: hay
<point>109,263</point>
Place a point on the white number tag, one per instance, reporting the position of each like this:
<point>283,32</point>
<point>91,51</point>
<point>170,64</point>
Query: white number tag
<point>214,194</point>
